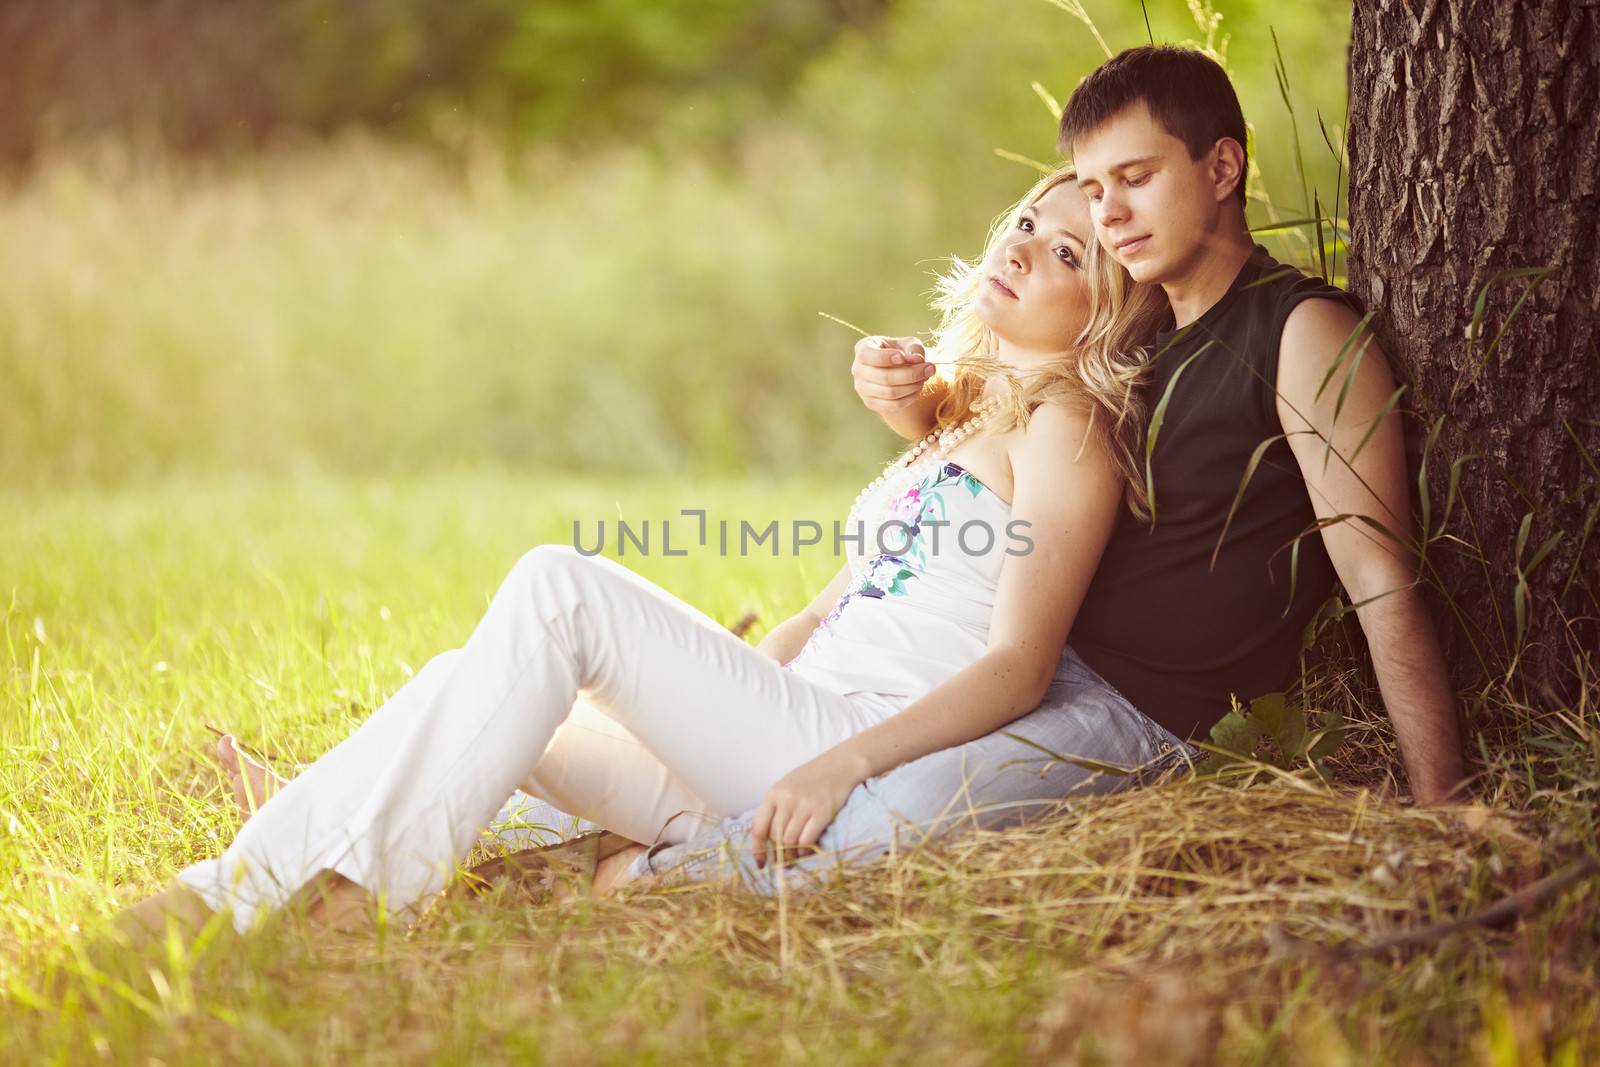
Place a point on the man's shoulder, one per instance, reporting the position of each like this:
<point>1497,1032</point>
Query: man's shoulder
<point>1279,288</point>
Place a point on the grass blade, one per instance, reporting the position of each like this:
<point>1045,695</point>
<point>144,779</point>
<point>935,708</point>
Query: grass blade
<point>1050,102</point>
<point>1355,332</point>
<point>1377,420</point>
<point>1480,307</point>
<point>1077,11</point>
<point>1043,168</point>
<point>1157,418</point>
<point>1249,471</point>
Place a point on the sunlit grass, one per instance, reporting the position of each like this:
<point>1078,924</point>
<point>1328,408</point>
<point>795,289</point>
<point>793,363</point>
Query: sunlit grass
<point>284,613</point>
<point>1159,926</point>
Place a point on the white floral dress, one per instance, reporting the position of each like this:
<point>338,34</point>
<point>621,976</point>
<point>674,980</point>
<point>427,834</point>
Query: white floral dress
<point>914,616</point>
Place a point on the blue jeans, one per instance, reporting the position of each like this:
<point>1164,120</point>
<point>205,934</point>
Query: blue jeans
<point>1023,771</point>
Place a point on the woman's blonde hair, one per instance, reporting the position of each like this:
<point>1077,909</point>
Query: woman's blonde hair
<point>1104,370</point>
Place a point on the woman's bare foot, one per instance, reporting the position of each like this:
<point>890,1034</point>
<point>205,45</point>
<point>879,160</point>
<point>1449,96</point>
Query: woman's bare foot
<point>334,902</point>
<point>253,782</point>
<point>608,872</point>
<point>146,922</point>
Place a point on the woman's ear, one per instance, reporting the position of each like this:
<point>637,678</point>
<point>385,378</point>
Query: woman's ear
<point>1227,167</point>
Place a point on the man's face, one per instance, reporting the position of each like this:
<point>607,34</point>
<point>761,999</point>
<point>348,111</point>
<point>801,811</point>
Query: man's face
<point>1152,206</point>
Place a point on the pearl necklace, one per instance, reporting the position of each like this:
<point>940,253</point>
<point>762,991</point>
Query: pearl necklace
<point>931,447</point>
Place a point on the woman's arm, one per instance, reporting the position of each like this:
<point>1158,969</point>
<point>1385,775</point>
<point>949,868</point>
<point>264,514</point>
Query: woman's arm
<point>785,640</point>
<point>1070,503</point>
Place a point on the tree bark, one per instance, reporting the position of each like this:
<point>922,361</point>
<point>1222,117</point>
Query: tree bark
<point>1474,143</point>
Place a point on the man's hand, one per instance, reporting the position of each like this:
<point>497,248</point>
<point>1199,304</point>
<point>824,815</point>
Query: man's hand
<point>891,376</point>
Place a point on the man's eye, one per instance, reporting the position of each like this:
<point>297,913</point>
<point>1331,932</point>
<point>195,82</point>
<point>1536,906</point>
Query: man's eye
<point>1140,180</point>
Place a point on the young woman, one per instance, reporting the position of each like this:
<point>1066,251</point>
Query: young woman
<point>618,702</point>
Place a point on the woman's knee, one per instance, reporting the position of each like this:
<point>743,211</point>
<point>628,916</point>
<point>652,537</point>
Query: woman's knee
<point>543,565</point>
<point>550,556</point>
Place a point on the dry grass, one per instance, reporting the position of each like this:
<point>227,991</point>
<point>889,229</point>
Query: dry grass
<point>1162,925</point>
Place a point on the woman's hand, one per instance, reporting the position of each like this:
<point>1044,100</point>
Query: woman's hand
<point>803,802</point>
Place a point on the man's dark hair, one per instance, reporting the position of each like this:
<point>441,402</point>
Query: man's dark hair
<point>1187,92</point>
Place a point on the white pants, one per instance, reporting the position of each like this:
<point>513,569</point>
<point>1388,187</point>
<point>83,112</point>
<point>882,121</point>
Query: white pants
<point>680,717</point>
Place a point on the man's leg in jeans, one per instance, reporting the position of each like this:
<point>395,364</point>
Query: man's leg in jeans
<point>995,781</point>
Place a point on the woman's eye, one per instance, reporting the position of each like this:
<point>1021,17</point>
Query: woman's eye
<point>1025,225</point>
<point>1066,256</point>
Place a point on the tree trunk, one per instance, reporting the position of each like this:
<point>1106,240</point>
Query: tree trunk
<point>1474,148</point>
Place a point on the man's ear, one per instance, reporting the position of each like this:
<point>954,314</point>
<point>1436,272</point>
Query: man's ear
<point>1227,168</point>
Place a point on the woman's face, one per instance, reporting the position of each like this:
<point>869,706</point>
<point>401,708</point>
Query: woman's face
<point>1034,292</point>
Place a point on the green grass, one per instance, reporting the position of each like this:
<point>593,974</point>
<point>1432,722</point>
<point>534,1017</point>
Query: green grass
<point>1150,928</point>
<point>283,613</point>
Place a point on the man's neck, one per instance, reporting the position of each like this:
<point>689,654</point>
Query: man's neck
<point>1212,271</point>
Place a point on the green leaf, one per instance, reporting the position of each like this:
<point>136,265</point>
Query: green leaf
<point>1291,739</point>
<point>1275,718</point>
<point>1235,734</point>
<point>1267,712</point>
<point>1285,723</point>
<point>1328,738</point>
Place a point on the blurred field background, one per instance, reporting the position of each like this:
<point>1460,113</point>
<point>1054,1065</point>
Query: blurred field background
<point>594,238</point>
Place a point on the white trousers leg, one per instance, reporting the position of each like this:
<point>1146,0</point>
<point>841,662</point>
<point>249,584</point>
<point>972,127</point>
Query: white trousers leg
<point>592,765</point>
<point>711,722</point>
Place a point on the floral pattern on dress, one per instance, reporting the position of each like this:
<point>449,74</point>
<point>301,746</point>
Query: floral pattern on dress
<point>889,575</point>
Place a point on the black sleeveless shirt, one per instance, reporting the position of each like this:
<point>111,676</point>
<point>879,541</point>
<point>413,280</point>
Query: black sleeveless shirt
<point>1173,632</point>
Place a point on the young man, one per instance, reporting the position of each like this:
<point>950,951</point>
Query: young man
<point>1207,602</point>
<point>1256,353</point>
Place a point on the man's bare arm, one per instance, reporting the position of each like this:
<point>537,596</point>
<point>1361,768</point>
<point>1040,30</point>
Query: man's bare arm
<point>1379,572</point>
<point>894,379</point>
